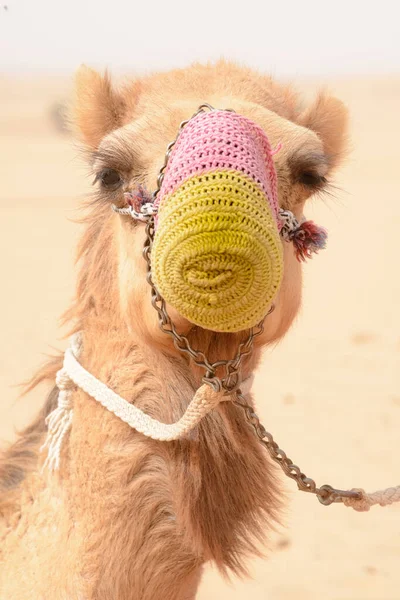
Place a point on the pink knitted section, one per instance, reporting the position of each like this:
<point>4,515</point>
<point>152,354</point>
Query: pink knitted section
<point>222,140</point>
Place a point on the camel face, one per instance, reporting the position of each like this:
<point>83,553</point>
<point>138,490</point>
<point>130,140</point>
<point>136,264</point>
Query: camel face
<point>129,130</point>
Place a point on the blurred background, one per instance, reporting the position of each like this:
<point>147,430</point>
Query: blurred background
<point>330,392</point>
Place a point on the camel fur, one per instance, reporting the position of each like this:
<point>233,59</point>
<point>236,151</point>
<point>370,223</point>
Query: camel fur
<point>128,517</point>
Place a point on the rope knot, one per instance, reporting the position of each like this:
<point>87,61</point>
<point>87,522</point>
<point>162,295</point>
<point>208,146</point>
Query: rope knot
<point>63,380</point>
<point>59,420</point>
<point>64,400</point>
<point>362,504</point>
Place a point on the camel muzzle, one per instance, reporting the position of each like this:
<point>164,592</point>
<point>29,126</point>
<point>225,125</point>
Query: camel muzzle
<point>217,257</point>
<point>217,253</point>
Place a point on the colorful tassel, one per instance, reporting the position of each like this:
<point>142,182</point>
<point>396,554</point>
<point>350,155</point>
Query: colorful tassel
<point>309,238</point>
<point>140,202</point>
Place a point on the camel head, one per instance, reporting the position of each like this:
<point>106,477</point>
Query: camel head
<point>126,132</point>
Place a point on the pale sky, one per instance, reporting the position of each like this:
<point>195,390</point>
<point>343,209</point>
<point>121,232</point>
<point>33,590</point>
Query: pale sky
<point>295,38</point>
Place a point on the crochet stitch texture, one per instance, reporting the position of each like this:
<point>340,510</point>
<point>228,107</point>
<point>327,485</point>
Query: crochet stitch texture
<point>217,255</point>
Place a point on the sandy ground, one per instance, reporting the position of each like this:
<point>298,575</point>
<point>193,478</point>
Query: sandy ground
<point>329,393</point>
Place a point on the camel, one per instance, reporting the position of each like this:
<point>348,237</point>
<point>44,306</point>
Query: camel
<point>128,517</point>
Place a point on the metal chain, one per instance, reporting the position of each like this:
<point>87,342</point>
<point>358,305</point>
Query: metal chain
<point>230,383</point>
<point>326,494</point>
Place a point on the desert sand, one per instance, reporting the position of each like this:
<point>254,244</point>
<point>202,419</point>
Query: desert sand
<point>329,392</point>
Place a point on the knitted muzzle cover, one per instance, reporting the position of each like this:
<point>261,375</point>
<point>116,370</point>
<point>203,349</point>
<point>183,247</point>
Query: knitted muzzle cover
<point>217,251</point>
<point>217,256</point>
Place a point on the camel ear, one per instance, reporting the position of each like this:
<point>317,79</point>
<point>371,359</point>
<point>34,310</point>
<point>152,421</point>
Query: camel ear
<point>328,117</point>
<point>98,108</point>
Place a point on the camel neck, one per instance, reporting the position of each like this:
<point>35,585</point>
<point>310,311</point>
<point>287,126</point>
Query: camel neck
<point>127,486</point>
<point>140,517</point>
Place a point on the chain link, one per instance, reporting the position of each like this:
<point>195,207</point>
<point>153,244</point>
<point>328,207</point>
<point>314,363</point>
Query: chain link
<point>231,382</point>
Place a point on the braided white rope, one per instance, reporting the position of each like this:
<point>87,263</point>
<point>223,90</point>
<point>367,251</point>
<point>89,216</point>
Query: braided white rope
<point>381,497</point>
<point>146,210</point>
<point>73,375</point>
<point>204,400</point>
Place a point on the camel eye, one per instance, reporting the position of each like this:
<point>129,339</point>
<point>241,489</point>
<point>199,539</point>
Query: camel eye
<point>109,178</point>
<point>312,180</point>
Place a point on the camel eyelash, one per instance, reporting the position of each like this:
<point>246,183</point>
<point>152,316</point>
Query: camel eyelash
<point>313,180</point>
<point>309,169</point>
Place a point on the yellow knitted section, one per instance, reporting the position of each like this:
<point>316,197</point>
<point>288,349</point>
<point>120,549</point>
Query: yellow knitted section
<point>217,255</point>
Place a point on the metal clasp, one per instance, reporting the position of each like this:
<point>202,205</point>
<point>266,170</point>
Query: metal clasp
<point>213,381</point>
<point>330,495</point>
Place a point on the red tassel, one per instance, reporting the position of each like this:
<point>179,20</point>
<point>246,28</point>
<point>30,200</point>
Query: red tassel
<point>138,198</point>
<point>309,238</point>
